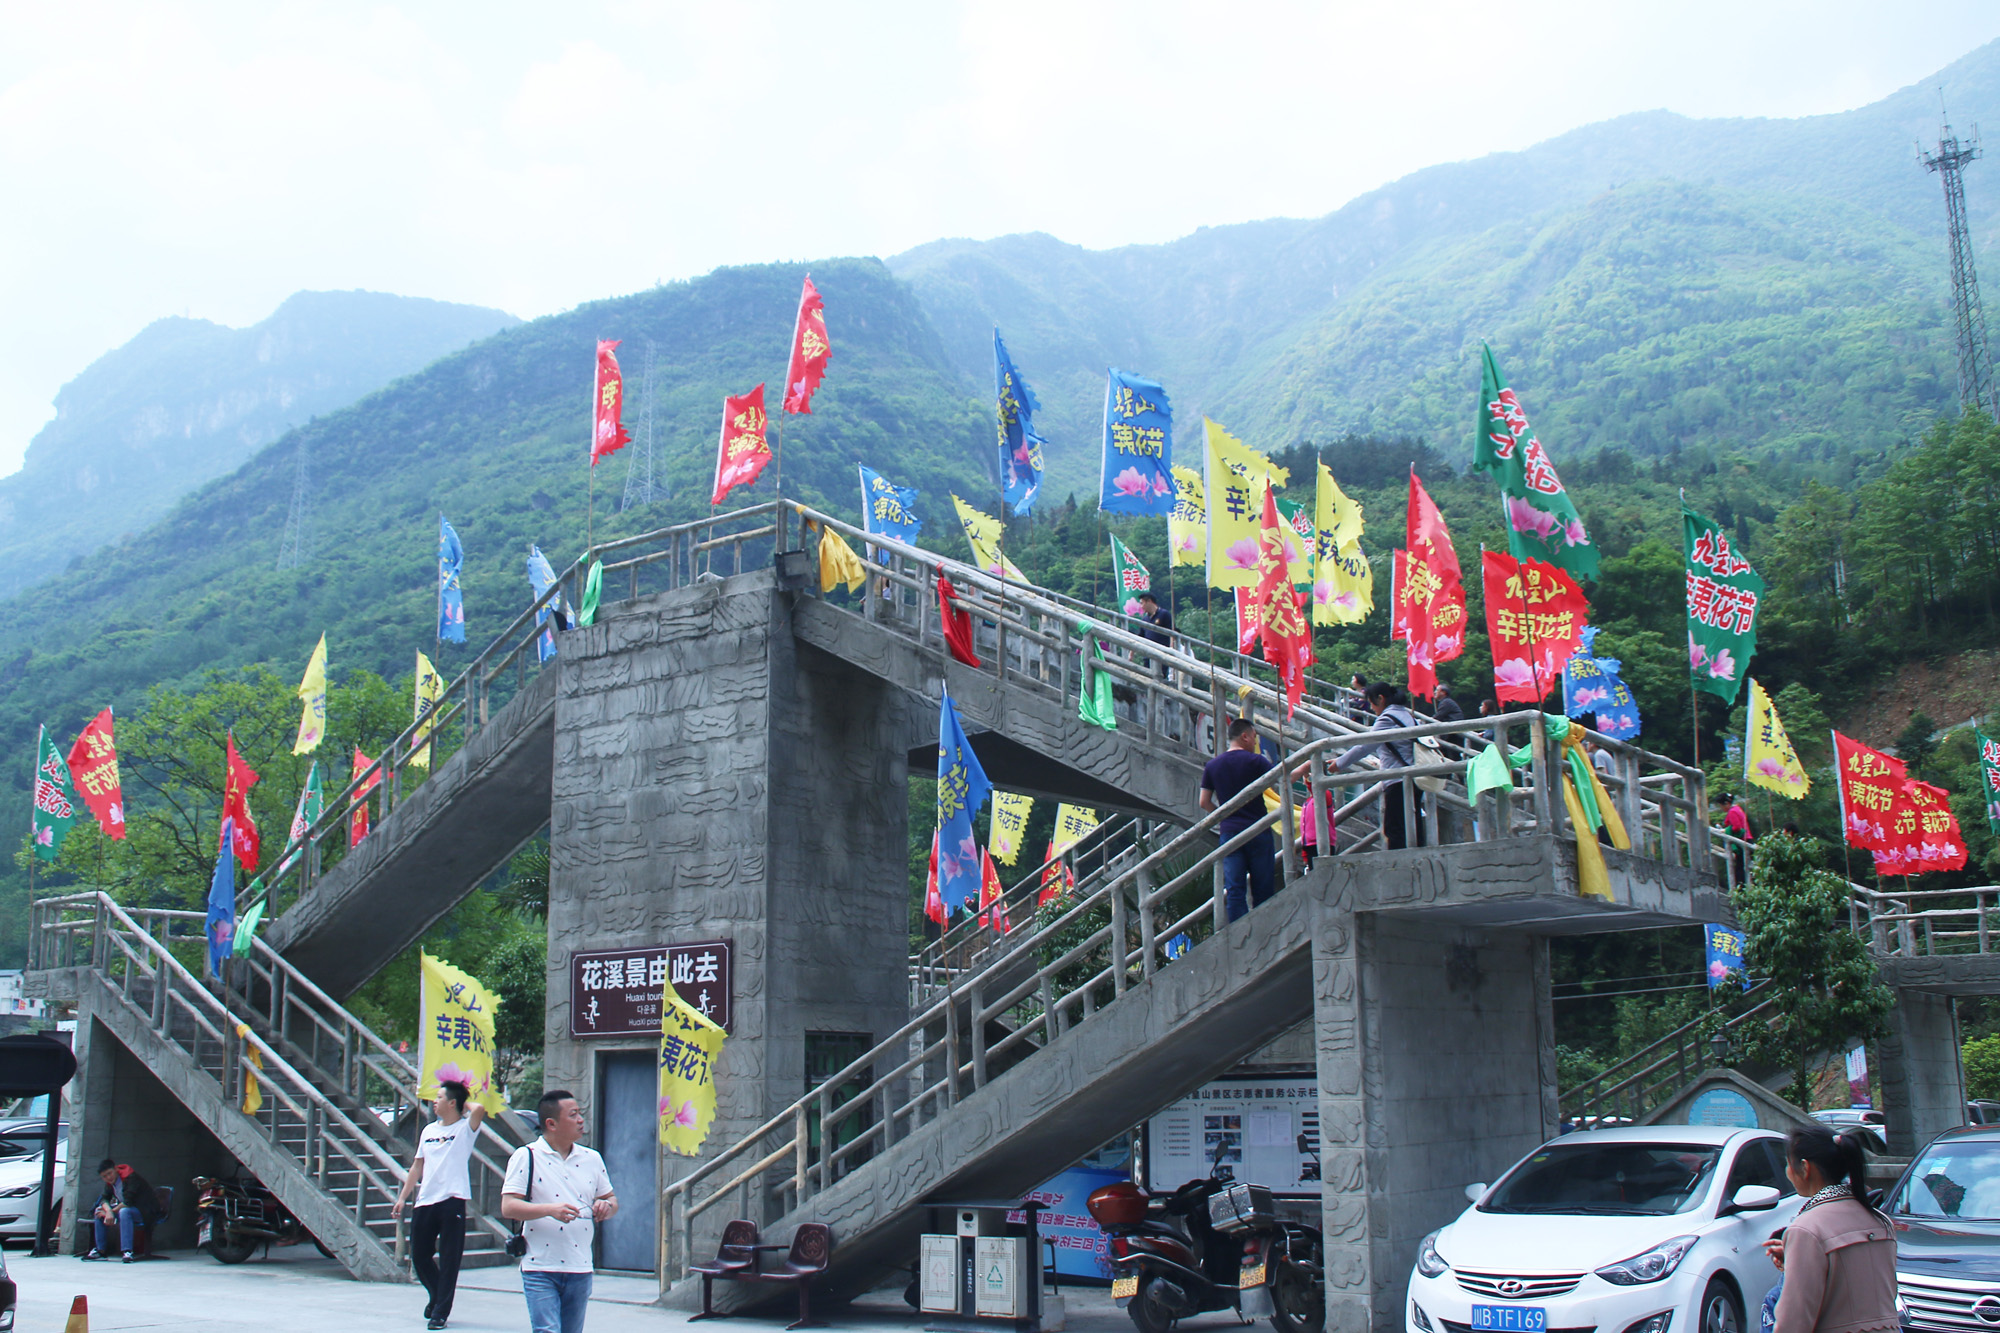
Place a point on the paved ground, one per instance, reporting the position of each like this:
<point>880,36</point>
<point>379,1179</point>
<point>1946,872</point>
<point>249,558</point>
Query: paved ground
<point>304,1293</point>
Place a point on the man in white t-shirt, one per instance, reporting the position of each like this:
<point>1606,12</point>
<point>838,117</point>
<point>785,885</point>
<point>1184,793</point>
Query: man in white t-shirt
<point>442,1181</point>
<point>558,1190</point>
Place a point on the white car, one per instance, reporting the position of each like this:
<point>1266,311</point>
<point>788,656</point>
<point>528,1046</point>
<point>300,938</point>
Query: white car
<point>21,1192</point>
<point>1641,1229</point>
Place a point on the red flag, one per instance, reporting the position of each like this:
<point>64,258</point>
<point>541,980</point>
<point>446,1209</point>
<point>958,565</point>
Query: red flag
<point>1247,626</point>
<point>1399,615</point>
<point>357,825</point>
<point>992,898</point>
<point>1870,783</point>
<point>607,404</point>
<point>1281,617</point>
<point>1057,877</point>
<point>810,351</point>
<point>1430,601</point>
<point>1923,833</point>
<point>1535,618</point>
<point>93,765</point>
<point>237,781</point>
<point>933,900</point>
<point>742,452</point>
<point>957,623</point>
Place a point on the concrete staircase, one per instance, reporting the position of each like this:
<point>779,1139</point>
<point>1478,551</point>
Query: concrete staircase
<point>314,1139</point>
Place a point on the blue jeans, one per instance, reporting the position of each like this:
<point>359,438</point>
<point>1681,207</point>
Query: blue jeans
<point>128,1218</point>
<point>555,1300</point>
<point>1256,861</point>
<point>1770,1316</point>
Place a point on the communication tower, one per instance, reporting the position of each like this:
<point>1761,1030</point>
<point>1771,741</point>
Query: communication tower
<point>1975,364</point>
<point>296,548</point>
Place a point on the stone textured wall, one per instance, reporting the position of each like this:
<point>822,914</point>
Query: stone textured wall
<point>715,780</point>
<point>1923,1089</point>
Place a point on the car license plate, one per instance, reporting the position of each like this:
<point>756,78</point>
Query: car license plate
<point>1511,1318</point>
<point>1252,1275</point>
<point>1125,1288</point>
<point>204,1231</point>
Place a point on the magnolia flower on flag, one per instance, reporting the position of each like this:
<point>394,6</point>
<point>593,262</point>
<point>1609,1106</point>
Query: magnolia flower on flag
<point>1697,655</point>
<point>1586,695</point>
<point>1134,482</point>
<point>1722,666</point>
<point>1514,673</point>
<point>1132,607</point>
<point>1524,517</point>
<point>451,1073</point>
<point>1243,554</point>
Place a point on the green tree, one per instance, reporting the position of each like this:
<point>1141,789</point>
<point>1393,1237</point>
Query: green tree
<point>1824,987</point>
<point>1981,1060</point>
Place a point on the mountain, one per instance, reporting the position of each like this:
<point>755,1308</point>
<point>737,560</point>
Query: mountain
<point>187,401</point>
<point>493,436</point>
<point>1648,282</point>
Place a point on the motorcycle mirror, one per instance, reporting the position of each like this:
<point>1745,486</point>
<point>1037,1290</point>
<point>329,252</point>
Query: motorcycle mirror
<point>1304,1147</point>
<point>1472,1192</point>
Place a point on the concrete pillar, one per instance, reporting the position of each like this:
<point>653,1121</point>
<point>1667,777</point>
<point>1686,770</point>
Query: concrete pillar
<point>1923,1089</point>
<point>715,779</point>
<point>1437,1069</point>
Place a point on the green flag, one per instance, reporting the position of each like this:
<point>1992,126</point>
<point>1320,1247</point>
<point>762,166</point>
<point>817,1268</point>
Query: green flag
<point>246,929</point>
<point>1722,597</point>
<point>312,804</point>
<point>1298,515</point>
<point>1094,699</point>
<point>593,587</point>
<point>1542,522</point>
<point>1130,577</point>
<point>1989,770</point>
<point>55,799</point>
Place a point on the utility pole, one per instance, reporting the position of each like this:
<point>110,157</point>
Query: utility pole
<point>1975,364</point>
<point>296,547</point>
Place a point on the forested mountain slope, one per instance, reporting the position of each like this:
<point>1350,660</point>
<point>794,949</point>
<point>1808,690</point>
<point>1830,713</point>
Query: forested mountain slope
<point>187,401</point>
<point>1369,318</point>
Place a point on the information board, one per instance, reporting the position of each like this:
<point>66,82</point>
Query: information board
<point>616,993</point>
<point>1252,1123</point>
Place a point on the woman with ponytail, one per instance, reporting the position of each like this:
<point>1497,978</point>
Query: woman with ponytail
<point>1838,1255</point>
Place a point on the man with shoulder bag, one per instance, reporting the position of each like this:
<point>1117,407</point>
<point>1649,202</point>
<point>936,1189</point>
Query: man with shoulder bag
<point>558,1191</point>
<point>1386,702</point>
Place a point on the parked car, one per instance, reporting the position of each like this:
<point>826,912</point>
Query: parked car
<point>1873,1123</point>
<point>1630,1230</point>
<point>1982,1113</point>
<point>1946,1209</point>
<point>21,1194</point>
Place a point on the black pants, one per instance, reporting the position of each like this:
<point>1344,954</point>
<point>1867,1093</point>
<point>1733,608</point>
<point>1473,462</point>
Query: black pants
<point>437,1242</point>
<point>1394,834</point>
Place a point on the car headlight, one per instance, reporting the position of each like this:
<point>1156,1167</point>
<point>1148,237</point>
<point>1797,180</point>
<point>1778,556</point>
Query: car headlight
<point>1654,1264</point>
<point>1429,1262</point>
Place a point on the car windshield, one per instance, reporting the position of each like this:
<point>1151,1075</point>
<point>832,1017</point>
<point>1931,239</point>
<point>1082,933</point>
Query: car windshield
<point>1954,1180</point>
<point>1614,1179</point>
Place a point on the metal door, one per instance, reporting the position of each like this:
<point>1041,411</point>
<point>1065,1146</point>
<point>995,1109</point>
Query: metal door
<point>628,1136</point>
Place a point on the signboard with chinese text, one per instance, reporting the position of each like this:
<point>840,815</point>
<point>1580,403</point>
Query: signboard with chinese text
<point>616,993</point>
<point>1251,1124</point>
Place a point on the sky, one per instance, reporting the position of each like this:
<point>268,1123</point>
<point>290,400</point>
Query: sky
<point>163,158</point>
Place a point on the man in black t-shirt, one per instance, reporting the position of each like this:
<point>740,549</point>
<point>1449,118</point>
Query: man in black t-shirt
<point>1241,765</point>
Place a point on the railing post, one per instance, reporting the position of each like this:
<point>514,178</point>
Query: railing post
<point>976,1020</point>
<point>1119,925</point>
<point>950,1055</point>
<point>1538,743</point>
<point>1287,831</point>
<point>802,1152</point>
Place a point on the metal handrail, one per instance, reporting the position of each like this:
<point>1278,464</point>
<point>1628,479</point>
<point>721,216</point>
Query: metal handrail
<point>1638,1075</point>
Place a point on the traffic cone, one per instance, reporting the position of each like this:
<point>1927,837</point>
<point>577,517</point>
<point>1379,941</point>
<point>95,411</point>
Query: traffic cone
<point>79,1316</point>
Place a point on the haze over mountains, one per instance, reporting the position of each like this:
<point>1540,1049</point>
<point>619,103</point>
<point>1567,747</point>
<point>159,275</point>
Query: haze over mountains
<point>187,401</point>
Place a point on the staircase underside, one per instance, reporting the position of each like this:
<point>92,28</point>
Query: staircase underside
<point>437,844</point>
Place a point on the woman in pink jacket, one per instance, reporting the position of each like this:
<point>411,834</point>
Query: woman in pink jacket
<point>1838,1255</point>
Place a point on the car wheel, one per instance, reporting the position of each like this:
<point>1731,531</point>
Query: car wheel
<point>1721,1312</point>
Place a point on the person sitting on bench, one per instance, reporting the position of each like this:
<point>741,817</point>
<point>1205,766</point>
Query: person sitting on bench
<point>127,1203</point>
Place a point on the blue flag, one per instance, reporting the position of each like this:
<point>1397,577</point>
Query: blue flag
<point>1020,447</point>
<point>1591,685</point>
<point>1725,955</point>
<point>221,929</point>
<point>962,789</point>
<point>451,599</point>
<point>541,578</point>
<point>888,511</point>
<point>1138,433</point>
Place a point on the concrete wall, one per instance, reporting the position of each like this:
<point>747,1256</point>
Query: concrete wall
<point>714,779</point>
<point>127,1113</point>
<point>1437,1069</point>
<point>1923,1089</point>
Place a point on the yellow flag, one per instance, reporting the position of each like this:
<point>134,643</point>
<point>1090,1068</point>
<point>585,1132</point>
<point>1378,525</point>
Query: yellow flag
<point>1234,477</point>
<point>982,533</point>
<point>690,1045</point>
<point>312,722</point>
<point>253,1091</point>
<point>1769,761</point>
<point>1073,824</point>
<point>430,689</point>
<point>1010,822</point>
<point>1343,587</point>
<point>838,563</point>
<point>1187,525</point>
<point>457,1035</point>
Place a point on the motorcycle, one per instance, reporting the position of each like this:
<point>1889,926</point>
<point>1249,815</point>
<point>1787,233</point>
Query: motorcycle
<point>1212,1244</point>
<point>237,1216</point>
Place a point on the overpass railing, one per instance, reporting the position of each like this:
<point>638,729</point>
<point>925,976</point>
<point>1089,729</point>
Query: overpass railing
<point>1927,923</point>
<point>1635,1085</point>
<point>1040,980</point>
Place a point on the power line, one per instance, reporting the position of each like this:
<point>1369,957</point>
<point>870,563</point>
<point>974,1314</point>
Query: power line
<point>1612,995</point>
<point>295,548</point>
